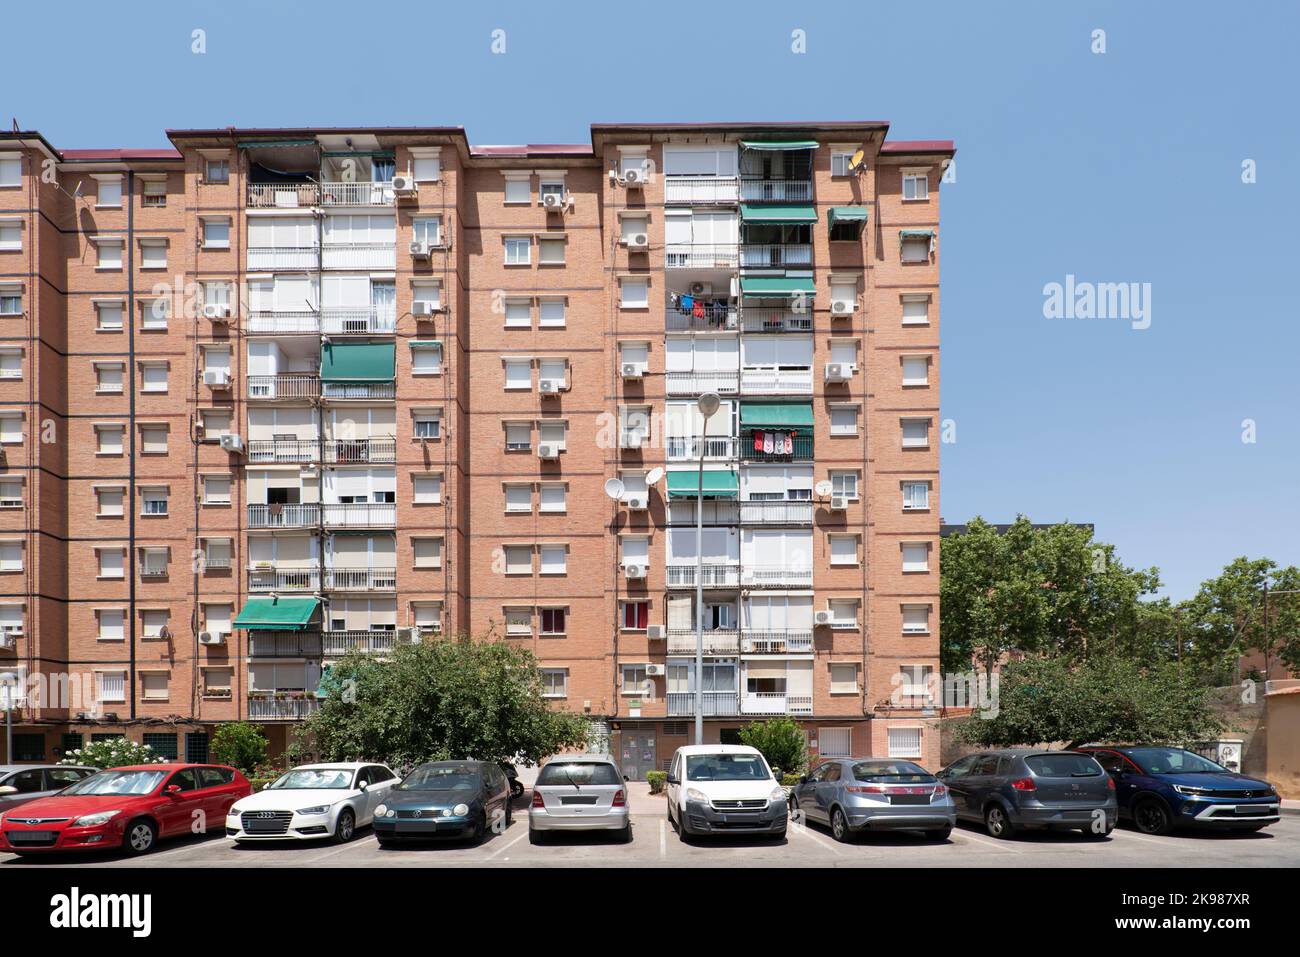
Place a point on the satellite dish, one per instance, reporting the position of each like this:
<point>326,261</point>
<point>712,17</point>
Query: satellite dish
<point>857,159</point>
<point>654,475</point>
<point>823,488</point>
<point>614,488</point>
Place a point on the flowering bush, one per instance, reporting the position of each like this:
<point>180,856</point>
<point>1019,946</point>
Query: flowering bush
<point>116,753</point>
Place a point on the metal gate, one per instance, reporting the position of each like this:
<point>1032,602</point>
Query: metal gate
<point>637,753</point>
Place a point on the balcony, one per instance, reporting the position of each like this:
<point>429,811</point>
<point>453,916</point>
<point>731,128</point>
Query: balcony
<point>681,704</point>
<point>288,451</point>
<point>283,195</point>
<point>713,575</point>
<point>361,579</point>
<point>357,320</point>
<point>757,189</point>
<point>767,319</point>
<point>776,256</point>
<point>775,512</point>
<point>358,256</point>
<point>337,643</point>
<point>720,381</point>
<point>284,322</point>
<point>702,256</point>
<point>776,576</point>
<point>687,447</point>
<point>715,317</point>
<point>288,385</point>
<point>283,516</point>
<point>356,194</point>
<point>802,448</point>
<point>293,707</point>
<point>283,257</point>
<point>359,515</point>
<point>265,577</point>
<point>378,451</point>
<point>702,190</point>
<point>359,390</point>
<point>717,641</point>
<point>284,644</point>
<point>772,702</point>
<point>792,381</point>
<point>776,642</point>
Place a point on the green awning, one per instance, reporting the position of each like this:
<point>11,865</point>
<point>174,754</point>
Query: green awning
<point>358,361</point>
<point>846,214</point>
<point>916,234</point>
<point>277,614</point>
<point>777,287</point>
<point>718,483</point>
<point>778,214</point>
<point>255,144</point>
<point>779,144</point>
<point>776,415</point>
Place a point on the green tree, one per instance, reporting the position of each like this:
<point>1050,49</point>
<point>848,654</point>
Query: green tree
<point>114,753</point>
<point>1106,698</point>
<point>240,745</point>
<point>781,742</point>
<point>449,698</point>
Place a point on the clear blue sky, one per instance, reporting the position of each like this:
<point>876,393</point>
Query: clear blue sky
<point>1119,167</point>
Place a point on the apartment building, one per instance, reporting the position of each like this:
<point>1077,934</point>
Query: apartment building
<point>271,396</point>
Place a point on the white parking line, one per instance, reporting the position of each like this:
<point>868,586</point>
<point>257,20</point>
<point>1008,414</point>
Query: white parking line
<point>184,849</point>
<point>1000,845</point>
<point>507,847</point>
<point>808,832</point>
<point>339,850</point>
<point>663,839</point>
<point>1138,837</point>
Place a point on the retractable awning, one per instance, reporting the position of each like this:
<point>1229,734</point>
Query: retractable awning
<point>277,614</point>
<point>846,214</point>
<point>358,361</point>
<point>776,415</point>
<point>777,287</point>
<point>916,233</point>
<point>718,483</point>
<point>779,144</point>
<point>778,213</point>
<point>278,144</point>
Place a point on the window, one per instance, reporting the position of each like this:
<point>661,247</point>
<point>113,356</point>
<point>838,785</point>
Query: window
<point>844,351</point>
<point>551,497</point>
<point>553,370</point>
<point>426,614</point>
<point>916,496</point>
<point>844,678</point>
<point>11,363</point>
<point>518,250</point>
<point>216,423</point>
<point>916,310</point>
<point>426,358</point>
<point>916,185</point>
<point>519,436</point>
<point>110,502</point>
<point>108,252</point>
<point>633,293</point>
<point>635,680</point>
<point>11,556</point>
<point>428,293</point>
<point>550,251</point>
<point>11,429</point>
<point>112,562</point>
<point>519,621</point>
<point>555,682</point>
<point>108,439</point>
<point>155,193</point>
<point>916,370</point>
<point>519,188</point>
<point>153,562</point>
<point>153,501</point>
<point>552,312</point>
<point>836,742</point>
<point>549,185</point>
<point>636,615</point>
<point>108,376</point>
<point>519,313</point>
<point>154,315</point>
<point>916,556</point>
<point>153,622</point>
<point>844,549</point>
<point>108,316</point>
<point>519,374</point>
<point>216,490</point>
<point>111,624</point>
<point>11,170</point>
<point>217,682</point>
<point>427,230</point>
<point>845,484</point>
<point>110,687</point>
<point>518,559</point>
<point>109,191</point>
<point>427,425</point>
<point>216,233</point>
<point>552,620</point>
<point>841,160</point>
<point>904,742</point>
<point>519,498</point>
<point>11,624</point>
<point>153,254</point>
<point>427,489</point>
<point>844,420</point>
<point>844,612</point>
<point>153,377</point>
<point>916,433</point>
<point>554,559</point>
<point>914,681</point>
<point>916,619</point>
<point>426,168</point>
<point>635,354</point>
<point>915,249</point>
<point>217,553</point>
<point>11,493</point>
<point>428,552</point>
<point>11,300</point>
<point>216,170</point>
<point>634,550</point>
<point>216,359</point>
<point>153,687</point>
<point>552,433</point>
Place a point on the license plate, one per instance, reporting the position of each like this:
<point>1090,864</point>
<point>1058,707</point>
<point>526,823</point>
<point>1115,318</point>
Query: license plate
<point>30,837</point>
<point>1253,811</point>
<point>910,799</point>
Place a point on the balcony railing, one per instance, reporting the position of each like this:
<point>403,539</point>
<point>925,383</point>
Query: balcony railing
<point>777,381</point>
<point>357,320</point>
<point>802,449</point>
<point>361,579</point>
<point>720,703</point>
<point>775,512</point>
<point>775,255</point>
<point>776,642</point>
<point>717,641</point>
<point>283,516</point>
<point>281,709</point>
<point>757,189</point>
<point>715,318</point>
<point>283,450</point>
<point>380,450</point>
<point>283,257</point>
<point>702,190</point>
<point>283,195</point>
<point>776,576</point>
<point>767,319</point>
<point>358,256</point>
<point>359,514</point>
<point>688,447</point>
<point>356,194</point>
<point>701,256</point>
<point>359,390</point>
<point>262,579</point>
<point>288,385</point>
<point>711,574</point>
<point>336,643</point>
<point>284,322</point>
<point>696,383</point>
<point>771,702</point>
<point>284,644</point>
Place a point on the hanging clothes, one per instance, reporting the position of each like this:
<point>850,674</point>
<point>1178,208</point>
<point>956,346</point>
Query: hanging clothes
<point>688,303</point>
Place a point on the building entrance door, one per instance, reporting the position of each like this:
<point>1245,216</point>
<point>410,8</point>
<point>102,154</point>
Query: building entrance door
<point>638,752</point>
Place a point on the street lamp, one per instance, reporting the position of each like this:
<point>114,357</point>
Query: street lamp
<point>708,404</point>
<point>8,686</point>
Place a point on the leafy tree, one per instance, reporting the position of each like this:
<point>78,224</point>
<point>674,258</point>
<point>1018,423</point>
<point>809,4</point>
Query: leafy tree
<point>1106,698</point>
<point>114,753</point>
<point>1226,618</point>
<point>240,745</point>
<point>439,700</point>
<point>781,742</point>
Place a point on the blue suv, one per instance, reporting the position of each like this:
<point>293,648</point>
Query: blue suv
<point>1162,788</point>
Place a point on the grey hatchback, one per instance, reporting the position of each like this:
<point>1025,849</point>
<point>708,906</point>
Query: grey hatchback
<point>853,794</point>
<point>1016,788</point>
<point>20,783</point>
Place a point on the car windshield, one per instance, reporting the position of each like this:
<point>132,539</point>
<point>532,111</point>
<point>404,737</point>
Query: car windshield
<point>304,778</point>
<point>579,772</point>
<point>117,782</point>
<point>891,772</point>
<point>1063,765</point>
<point>1174,761</point>
<point>726,767</point>
<point>441,779</point>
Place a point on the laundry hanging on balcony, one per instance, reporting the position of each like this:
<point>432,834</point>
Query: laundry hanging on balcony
<point>773,442</point>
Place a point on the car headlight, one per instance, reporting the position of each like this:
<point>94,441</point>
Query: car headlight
<point>778,794</point>
<point>317,809</point>
<point>460,810</point>
<point>381,810</point>
<point>1191,791</point>
<point>94,820</point>
<point>233,812</point>
<point>694,794</point>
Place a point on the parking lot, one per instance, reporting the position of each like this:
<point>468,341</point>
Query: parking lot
<point>655,844</point>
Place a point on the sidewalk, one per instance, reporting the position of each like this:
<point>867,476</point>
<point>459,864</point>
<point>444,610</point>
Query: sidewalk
<point>1290,806</point>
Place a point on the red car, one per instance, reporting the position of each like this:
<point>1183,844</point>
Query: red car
<point>131,808</point>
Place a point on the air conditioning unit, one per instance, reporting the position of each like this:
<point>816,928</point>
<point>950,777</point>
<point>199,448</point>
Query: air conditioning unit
<point>637,503</point>
<point>421,308</point>
<point>839,503</point>
<point>419,250</point>
<point>841,307</point>
<point>632,440</point>
<point>548,386</point>
<point>212,637</point>
<point>217,378</point>
<point>655,632</point>
<point>548,450</point>
<point>638,241</point>
<point>839,371</point>
<point>232,442</point>
<point>216,311</point>
<point>823,617</point>
<point>634,571</point>
<point>407,636</point>
<point>404,185</point>
<point>747,646</point>
<point>635,176</point>
<point>8,640</point>
<point>555,202</point>
<point>655,671</point>
<point>701,289</point>
<point>632,370</point>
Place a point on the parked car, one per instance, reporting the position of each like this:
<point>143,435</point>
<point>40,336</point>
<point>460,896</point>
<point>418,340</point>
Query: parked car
<point>129,807</point>
<point>1023,788</point>
<point>20,783</point>
<point>312,802</point>
<point>1160,789</point>
<point>856,794</point>
<point>445,799</point>
<point>579,792</point>
<point>724,789</point>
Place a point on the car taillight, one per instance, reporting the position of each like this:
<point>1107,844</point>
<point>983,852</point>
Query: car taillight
<point>939,791</point>
<point>620,798</point>
<point>1024,784</point>
<point>866,789</point>
<point>537,799</point>
<point>1110,782</point>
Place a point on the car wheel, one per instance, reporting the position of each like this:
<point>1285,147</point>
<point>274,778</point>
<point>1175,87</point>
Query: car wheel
<point>345,827</point>
<point>480,830</point>
<point>997,823</point>
<point>140,837</point>
<point>534,836</point>
<point>682,834</point>
<point>385,841</point>
<point>625,835</point>
<point>940,834</point>
<point>510,814</point>
<point>1152,817</point>
<point>840,826</point>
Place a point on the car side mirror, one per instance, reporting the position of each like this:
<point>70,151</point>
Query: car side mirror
<point>362,785</point>
<point>803,779</point>
<point>7,790</point>
<point>672,780</point>
<point>172,790</point>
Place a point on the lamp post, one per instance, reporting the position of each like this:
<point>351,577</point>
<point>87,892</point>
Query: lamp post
<point>707,404</point>
<point>8,682</point>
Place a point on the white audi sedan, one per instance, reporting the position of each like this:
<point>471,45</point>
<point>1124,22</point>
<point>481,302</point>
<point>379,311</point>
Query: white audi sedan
<point>312,802</point>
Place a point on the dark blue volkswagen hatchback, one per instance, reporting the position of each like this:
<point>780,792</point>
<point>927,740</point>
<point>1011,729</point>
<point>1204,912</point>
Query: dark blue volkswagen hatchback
<point>444,799</point>
<point>1162,788</point>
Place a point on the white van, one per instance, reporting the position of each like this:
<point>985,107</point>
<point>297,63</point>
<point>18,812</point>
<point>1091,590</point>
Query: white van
<point>724,789</point>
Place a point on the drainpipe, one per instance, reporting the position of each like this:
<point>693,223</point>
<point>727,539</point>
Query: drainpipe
<point>130,500</point>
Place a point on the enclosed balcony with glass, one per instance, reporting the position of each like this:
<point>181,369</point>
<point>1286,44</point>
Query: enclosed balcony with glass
<point>688,435</point>
<point>356,624</point>
<point>359,241</point>
<point>358,370</point>
<point>776,687</point>
<point>283,304</point>
<point>283,242</point>
<point>776,495</point>
<point>359,562</point>
<point>284,563</point>
<point>776,558</point>
<point>718,684</point>
<point>721,637</point>
<point>715,562</point>
<point>776,624</point>
<point>357,434</point>
<point>359,498</point>
<point>283,435</point>
<point>697,364</point>
<point>357,304</point>
<point>701,174</point>
<point>777,365</point>
<point>776,236</point>
<point>705,241</point>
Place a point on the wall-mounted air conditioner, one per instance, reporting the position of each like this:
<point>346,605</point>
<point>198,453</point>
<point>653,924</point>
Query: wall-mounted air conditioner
<point>655,671</point>
<point>632,370</point>
<point>419,250</point>
<point>839,503</point>
<point>839,371</point>
<point>212,637</point>
<point>638,241</point>
<point>404,185</point>
<point>548,386</point>
<point>633,570</point>
<point>637,503</point>
<point>216,311</point>
<point>823,617</point>
<point>217,378</point>
<point>655,632</point>
<point>841,307</point>
<point>548,450</point>
<point>635,176</point>
<point>232,442</point>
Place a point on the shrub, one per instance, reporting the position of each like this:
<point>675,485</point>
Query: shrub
<point>657,780</point>
<point>781,742</point>
<point>789,780</point>
<point>240,745</point>
<point>119,752</point>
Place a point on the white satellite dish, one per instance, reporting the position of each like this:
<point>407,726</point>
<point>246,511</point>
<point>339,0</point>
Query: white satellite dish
<point>614,488</point>
<point>823,488</point>
<point>654,475</point>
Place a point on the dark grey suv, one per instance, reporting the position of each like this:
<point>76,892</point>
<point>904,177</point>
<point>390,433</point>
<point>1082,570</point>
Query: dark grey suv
<point>1021,788</point>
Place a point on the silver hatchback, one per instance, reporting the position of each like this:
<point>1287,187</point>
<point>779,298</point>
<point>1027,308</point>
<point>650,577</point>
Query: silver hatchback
<point>579,792</point>
<point>858,794</point>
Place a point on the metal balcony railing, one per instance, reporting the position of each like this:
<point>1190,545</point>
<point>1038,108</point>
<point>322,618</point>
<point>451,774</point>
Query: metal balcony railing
<point>356,194</point>
<point>719,703</point>
<point>713,575</point>
<point>794,381</point>
<point>776,576</point>
<point>280,578</point>
<point>702,190</point>
<point>380,450</point>
<point>802,449</point>
<point>757,189</point>
<point>688,447</point>
<point>336,643</point>
<point>696,383</point>
<point>771,702</point>
<point>283,257</point>
<point>287,385</point>
<point>357,320</point>
<point>280,709</point>
<point>701,256</point>
<point>775,255</point>
<point>767,319</point>
<point>284,644</point>
<point>359,256</point>
<point>717,641</point>
<point>775,512</point>
<point>776,642</point>
<point>359,514</point>
<point>715,318</point>
<point>283,195</point>
<point>361,579</point>
<point>283,516</point>
<point>284,322</point>
<point>283,450</point>
<point>359,390</point>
